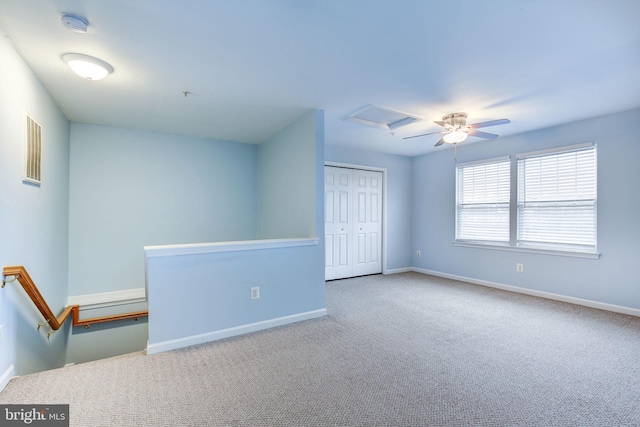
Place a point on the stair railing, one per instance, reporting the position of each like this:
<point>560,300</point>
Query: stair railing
<point>20,274</point>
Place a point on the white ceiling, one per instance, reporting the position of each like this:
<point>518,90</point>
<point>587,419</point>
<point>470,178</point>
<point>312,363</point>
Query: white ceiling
<point>254,66</point>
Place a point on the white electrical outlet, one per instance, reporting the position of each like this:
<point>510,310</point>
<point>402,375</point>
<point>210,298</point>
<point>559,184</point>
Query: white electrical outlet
<point>519,268</point>
<point>255,292</point>
<point>418,253</point>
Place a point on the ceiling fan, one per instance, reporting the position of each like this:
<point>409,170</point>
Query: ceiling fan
<point>457,130</point>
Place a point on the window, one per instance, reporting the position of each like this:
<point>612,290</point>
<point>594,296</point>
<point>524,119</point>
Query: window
<point>556,202</point>
<point>557,198</point>
<point>482,208</point>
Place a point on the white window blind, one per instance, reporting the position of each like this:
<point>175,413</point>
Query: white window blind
<point>557,198</point>
<point>482,208</point>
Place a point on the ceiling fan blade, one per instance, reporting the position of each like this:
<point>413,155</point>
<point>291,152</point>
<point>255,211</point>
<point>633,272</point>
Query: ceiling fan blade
<point>439,143</point>
<point>424,134</point>
<point>473,132</point>
<point>440,123</point>
<point>489,123</point>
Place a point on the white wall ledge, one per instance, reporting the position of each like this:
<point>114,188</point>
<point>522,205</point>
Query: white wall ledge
<point>241,245</point>
<point>528,249</point>
<point>108,299</point>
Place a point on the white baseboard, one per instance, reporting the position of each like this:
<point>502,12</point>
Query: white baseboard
<point>572,300</point>
<point>6,377</point>
<point>232,332</point>
<point>398,270</point>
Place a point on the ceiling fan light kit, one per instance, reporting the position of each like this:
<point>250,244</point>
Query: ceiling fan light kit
<point>457,130</point>
<point>455,137</point>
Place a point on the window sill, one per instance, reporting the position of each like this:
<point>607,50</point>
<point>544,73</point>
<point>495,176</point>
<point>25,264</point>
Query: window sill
<point>507,247</point>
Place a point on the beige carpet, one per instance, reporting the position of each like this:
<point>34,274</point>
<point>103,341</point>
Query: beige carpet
<point>401,350</point>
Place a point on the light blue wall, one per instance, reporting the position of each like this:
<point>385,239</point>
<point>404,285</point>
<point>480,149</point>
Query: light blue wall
<point>203,294</point>
<point>131,188</point>
<point>33,221</point>
<point>399,185</point>
<point>286,207</point>
<point>612,279</point>
<point>109,339</point>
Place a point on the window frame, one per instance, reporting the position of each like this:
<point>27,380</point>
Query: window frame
<point>570,247</point>
<point>513,244</point>
<point>494,160</point>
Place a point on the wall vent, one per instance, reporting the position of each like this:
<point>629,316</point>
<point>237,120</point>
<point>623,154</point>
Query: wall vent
<point>32,151</point>
<point>382,117</point>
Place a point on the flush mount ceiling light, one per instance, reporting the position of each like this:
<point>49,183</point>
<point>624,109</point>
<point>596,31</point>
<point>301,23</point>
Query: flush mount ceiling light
<point>87,67</point>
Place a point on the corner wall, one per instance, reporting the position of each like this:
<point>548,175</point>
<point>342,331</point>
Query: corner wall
<point>33,220</point>
<point>200,293</point>
<point>130,189</point>
<point>286,207</point>
<point>398,203</point>
<point>609,280</point>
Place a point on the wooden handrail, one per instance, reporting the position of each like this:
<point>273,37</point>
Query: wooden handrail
<point>20,273</point>
<point>32,290</point>
<point>86,322</point>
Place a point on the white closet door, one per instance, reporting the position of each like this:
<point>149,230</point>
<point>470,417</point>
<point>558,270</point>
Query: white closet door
<point>353,222</point>
<point>367,225</point>
<point>338,225</point>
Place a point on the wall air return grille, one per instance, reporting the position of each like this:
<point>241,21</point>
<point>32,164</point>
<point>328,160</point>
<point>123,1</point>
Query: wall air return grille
<point>32,151</point>
<point>384,118</point>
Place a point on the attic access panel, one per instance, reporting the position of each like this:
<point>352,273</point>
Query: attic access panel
<point>383,118</point>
